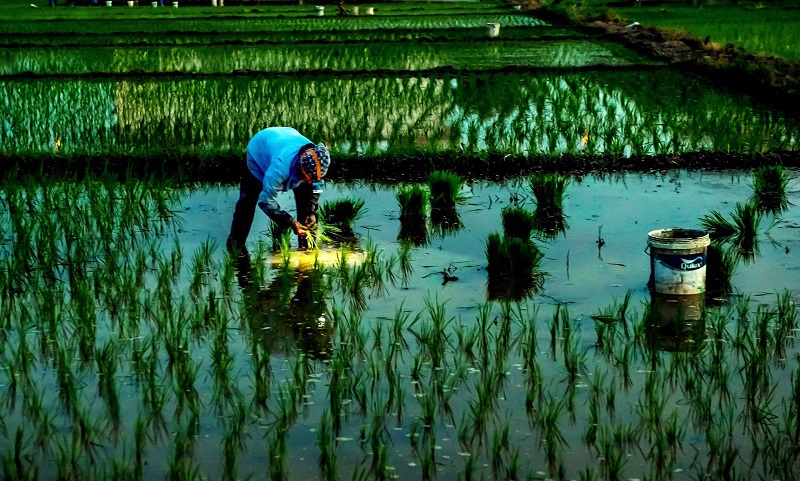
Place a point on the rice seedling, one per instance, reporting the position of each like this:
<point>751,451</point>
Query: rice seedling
<point>769,189</point>
<point>281,237</point>
<point>325,441</point>
<point>413,202</point>
<point>721,264</point>
<point>517,223</point>
<point>513,267</point>
<point>445,188</point>
<point>549,189</point>
<point>339,217</point>
<point>742,231</point>
<point>445,194</point>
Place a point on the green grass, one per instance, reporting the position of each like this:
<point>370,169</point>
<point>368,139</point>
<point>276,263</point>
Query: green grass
<point>762,28</point>
<point>193,38</point>
<point>21,10</point>
<point>308,58</point>
<point>168,21</point>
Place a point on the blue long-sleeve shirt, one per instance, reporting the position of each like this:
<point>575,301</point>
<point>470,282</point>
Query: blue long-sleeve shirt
<point>272,155</point>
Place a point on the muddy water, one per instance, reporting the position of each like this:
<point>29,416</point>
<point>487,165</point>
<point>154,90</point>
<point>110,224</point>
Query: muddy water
<point>580,276</point>
<point>622,209</point>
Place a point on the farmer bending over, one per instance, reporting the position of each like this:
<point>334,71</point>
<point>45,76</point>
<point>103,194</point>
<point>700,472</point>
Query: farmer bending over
<point>279,159</point>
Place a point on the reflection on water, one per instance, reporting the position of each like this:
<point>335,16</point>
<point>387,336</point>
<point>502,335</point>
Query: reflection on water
<point>675,322</point>
<point>591,112</point>
<point>290,311</point>
<point>445,221</point>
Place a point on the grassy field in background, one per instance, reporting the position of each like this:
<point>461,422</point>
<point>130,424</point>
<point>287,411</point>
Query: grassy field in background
<point>16,10</point>
<point>770,29</point>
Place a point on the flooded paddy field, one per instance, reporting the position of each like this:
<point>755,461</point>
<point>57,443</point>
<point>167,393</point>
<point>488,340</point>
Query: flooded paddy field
<point>135,346</point>
<point>630,112</point>
<point>510,335</point>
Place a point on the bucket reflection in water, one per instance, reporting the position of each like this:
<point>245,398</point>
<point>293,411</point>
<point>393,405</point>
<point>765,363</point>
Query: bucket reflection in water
<point>675,322</point>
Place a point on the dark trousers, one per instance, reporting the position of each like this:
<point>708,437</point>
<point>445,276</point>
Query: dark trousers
<point>249,189</point>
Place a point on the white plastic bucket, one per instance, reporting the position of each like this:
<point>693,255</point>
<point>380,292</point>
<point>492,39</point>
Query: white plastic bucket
<point>678,260</point>
<point>320,11</point>
<point>213,3</point>
<point>154,4</point>
<point>109,3</point>
<point>493,30</point>
<point>175,4</point>
<point>517,8</point>
<point>130,3</point>
<point>354,10</point>
<point>370,10</point>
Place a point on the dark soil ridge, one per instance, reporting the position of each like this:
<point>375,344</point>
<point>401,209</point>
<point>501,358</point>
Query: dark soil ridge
<point>765,77</point>
<point>381,168</point>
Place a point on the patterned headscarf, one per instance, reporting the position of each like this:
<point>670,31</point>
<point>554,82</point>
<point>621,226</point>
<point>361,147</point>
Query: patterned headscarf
<point>314,162</point>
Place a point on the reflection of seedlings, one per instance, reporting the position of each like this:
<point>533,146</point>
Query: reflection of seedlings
<point>406,268</point>
<point>721,263</point>
<point>413,202</point>
<point>608,318</point>
<point>325,441</point>
<point>513,267</point>
<point>518,223</point>
<point>339,217</point>
<point>202,264</point>
<point>769,189</point>
<point>742,232</point>
<point>549,192</point>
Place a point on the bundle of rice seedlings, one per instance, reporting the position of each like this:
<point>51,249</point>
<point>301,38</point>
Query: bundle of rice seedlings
<point>445,190</point>
<point>721,263</point>
<point>513,267</point>
<point>742,231</point>
<point>413,202</point>
<point>769,189</point>
<point>747,219</point>
<point>717,226</point>
<point>338,217</point>
<point>342,212</point>
<point>517,223</point>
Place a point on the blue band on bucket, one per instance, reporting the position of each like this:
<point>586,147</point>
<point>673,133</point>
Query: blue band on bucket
<point>690,262</point>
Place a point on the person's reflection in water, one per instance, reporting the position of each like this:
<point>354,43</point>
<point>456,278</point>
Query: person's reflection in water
<point>290,311</point>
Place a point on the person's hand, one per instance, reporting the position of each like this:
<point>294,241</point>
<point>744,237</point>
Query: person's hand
<point>310,221</point>
<point>299,229</point>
